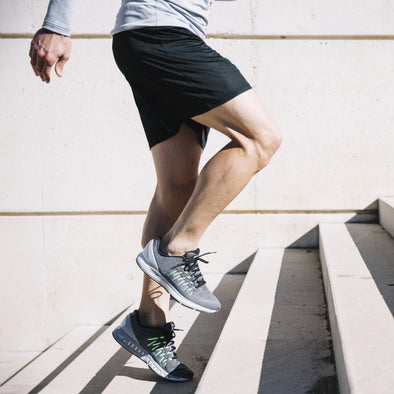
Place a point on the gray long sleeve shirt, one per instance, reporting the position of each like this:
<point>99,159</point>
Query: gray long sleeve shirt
<point>134,14</point>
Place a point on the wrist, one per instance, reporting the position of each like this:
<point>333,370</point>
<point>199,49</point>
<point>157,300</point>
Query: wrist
<point>48,31</point>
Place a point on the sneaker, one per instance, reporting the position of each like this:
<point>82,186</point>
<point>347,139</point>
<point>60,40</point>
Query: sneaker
<point>179,275</point>
<point>154,346</point>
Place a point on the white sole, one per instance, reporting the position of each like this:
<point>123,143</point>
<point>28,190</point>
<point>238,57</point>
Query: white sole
<point>132,345</point>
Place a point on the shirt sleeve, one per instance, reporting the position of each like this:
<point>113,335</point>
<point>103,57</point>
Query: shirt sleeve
<point>58,17</point>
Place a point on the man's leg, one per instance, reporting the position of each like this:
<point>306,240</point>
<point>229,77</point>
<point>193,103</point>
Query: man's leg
<point>254,139</point>
<point>176,162</point>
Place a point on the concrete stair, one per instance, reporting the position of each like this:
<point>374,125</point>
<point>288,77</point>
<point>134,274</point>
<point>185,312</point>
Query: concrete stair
<point>358,270</point>
<point>279,330</point>
<point>386,214</point>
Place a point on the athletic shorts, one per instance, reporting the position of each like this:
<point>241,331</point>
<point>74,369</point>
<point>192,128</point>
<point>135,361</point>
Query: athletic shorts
<point>174,76</point>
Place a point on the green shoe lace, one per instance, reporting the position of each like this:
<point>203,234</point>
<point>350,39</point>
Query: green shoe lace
<point>163,346</point>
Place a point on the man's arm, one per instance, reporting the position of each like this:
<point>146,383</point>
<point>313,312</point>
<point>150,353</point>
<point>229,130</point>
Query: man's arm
<point>51,45</point>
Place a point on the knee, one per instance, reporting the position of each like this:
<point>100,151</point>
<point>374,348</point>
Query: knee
<point>175,191</point>
<point>264,146</point>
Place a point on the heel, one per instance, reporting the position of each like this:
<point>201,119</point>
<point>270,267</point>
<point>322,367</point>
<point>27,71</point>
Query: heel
<point>128,343</point>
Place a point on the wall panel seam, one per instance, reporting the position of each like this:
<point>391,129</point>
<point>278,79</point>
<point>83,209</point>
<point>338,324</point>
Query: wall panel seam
<point>231,36</point>
<point>226,212</point>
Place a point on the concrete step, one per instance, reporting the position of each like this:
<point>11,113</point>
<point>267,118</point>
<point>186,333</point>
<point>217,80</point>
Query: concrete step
<point>270,336</point>
<point>194,345</point>
<point>362,326</point>
<point>376,247</point>
<point>386,214</point>
<point>88,360</point>
<point>12,362</point>
<point>62,352</point>
<point>246,330</point>
<point>275,339</point>
<point>66,365</point>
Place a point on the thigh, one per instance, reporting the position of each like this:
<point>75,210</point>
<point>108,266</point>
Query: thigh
<point>244,115</point>
<point>177,158</point>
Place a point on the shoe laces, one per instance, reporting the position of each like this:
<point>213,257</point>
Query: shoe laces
<point>190,263</point>
<point>163,346</point>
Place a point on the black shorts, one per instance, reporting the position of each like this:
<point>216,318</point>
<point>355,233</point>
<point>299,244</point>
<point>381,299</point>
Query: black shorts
<point>174,76</point>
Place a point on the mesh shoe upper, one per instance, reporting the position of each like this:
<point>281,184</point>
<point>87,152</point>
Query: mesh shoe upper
<point>184,273</point>
<point>158,342</point>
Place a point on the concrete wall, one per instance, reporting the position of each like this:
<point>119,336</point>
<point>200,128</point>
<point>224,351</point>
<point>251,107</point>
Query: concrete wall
<point>76,175</point>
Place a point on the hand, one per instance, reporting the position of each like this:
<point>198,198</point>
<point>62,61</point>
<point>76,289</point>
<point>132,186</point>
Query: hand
<point>48,49</point>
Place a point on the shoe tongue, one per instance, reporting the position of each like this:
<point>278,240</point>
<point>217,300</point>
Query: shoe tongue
<point>169,327</point>
<point>192,253</point>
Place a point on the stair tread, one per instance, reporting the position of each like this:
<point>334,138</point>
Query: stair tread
<point>39,368</point>
<point>194,344</point>
<point>386,214</point>
<point>12,362</point>
<point>389,200</point>
<point>275,339</point>
<point>376,247</point>
<point>77,374</point>
<point>250,316</point>
<point>361,323</point>
<point>103,366</point>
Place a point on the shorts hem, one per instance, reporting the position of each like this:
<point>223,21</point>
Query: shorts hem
<point>209,106</point>
<point>226,98</point>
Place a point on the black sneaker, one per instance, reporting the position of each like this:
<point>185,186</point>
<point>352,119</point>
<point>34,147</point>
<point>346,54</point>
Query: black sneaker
<point>179,275</point>
<point>154,346</point>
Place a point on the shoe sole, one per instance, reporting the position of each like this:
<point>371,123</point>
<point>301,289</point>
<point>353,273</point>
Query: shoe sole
<point>158,277</point>
<point>133,346</point>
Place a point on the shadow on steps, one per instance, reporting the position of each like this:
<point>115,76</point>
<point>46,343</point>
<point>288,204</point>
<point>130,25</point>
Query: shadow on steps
<point>207,327</point>
<point>376,247</point>
<point>48,379</point>
<point>298,356</point>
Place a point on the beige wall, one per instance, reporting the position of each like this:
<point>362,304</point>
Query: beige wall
<point>76,175</point>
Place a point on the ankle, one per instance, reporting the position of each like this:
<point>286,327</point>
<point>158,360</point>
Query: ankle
<point>176,247</point>
<point>151,320</point>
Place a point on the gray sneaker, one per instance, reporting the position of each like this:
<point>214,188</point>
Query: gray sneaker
<point>179,275</point>
<point>154,346</point>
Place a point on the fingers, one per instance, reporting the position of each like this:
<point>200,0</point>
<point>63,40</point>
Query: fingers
<point>40,62</point>
<point>31,49</point>
<point>33,59</point>
<point>61,62</point>
<point>33,55</point>
<point>41,65</point>
<point>59,66</point>
<point>36,54</point>
<point>45,50</point>
<point>44,64</point>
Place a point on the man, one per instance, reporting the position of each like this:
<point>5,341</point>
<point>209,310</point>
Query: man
<point>182,88</point>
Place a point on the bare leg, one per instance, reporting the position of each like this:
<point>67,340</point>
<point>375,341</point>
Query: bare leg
<point>254,140</point>
<point>176,161</point>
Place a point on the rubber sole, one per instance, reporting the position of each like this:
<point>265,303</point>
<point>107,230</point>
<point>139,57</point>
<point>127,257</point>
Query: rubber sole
<point>132,346</point>
<point>158,277</point>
